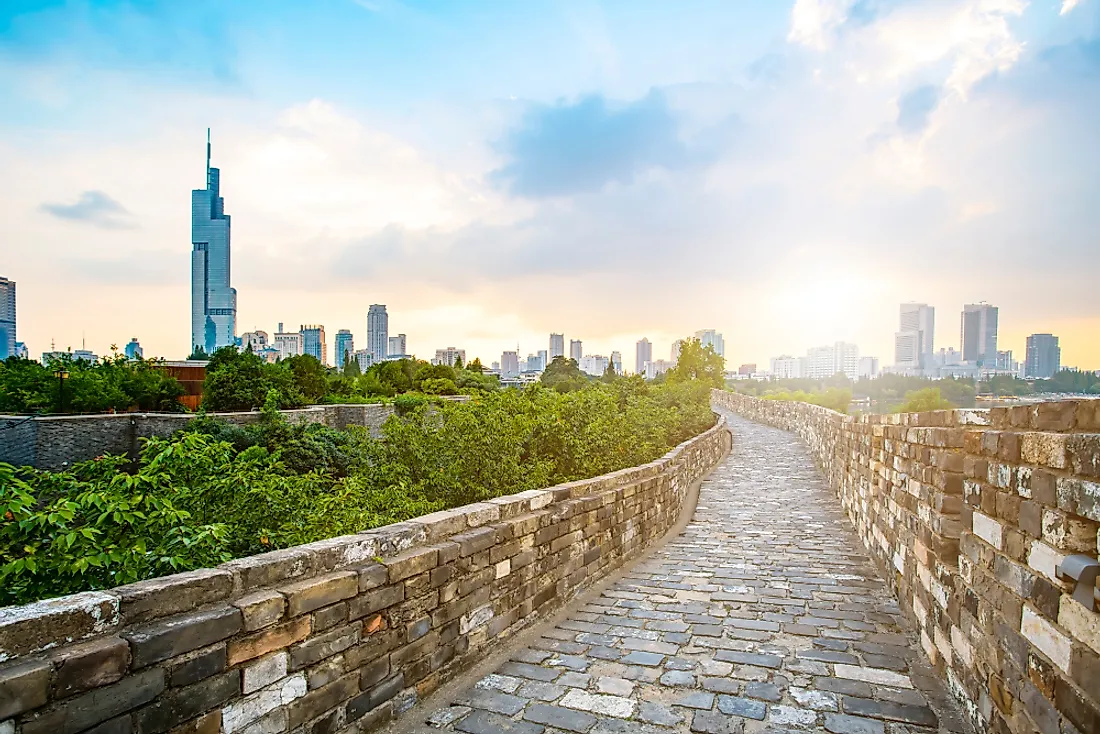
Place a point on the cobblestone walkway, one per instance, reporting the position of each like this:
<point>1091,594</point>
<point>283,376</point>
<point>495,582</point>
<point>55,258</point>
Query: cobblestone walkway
<point>764,615</point>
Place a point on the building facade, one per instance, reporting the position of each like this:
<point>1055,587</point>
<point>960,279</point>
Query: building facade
<point>617,362</point>
<point>255,339</point>
<point>378,331</point>
<point>1044,356</point>
<point>364,358</point>
<point>576,350</point>
<point>868,367</point>
<point>213,300</point>
<point>711,338</point>
<point>786,367</point>
<point>978,334</point>
<point>594,364</point>
<point>396,346</point>
<point>7,318</point>
<point>449,355</point>
<point>643,353</point>
<point>509,364</point>
<point>345,348</point>
<point>313,342</point>
<point>824,362</point>
<point>913,341</point>
<point>557,346</point>
<point>133,350</point>
<point>657,367</point>
<point>289,344</point>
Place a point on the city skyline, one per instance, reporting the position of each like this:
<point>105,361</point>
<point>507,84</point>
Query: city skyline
<point>454,198</point>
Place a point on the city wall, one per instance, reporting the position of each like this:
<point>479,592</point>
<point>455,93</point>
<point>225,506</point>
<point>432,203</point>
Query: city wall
<point>338,635</point>
<point>969,513</point>
<point>51,442</point>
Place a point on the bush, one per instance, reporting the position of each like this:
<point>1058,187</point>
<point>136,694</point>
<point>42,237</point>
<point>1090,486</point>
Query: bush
<point>834,398</point>
<point>919,401</point>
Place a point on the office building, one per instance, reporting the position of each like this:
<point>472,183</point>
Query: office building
<point>824,362</point>
<point>534,364</point>
<point>576,351</point>
<point>643,352</point>
<point>747,369</point>
<point>674,354</point>
<point>913,341</point>
<point>594,364</point>
<point>345,347</point>
<point>133,350</point>
<point>21,351</point>
<point>711,338</point>
<point>289,344</point>
<point>978,334</point>
<point>364,358</point>
<point>657,367</point>
<point>786,367</point>
<point>396,346</point>
<point>1044,356</point>
<point>557,346</point>
<point>509,364</point>
<point>543,361</point>
<point>617,362</point>
<point>378,331</point>
<point>313,342</point>
<point>449,355</point>
<point>7,318</point>
<point>1005,362</point>
<point>868,367</point>
<point>257,340</point>
<point>213,300</point>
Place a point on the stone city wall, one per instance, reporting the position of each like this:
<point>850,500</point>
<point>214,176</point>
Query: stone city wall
<point>51,442</point>
<point>969,514</point>
<point>338,635</point>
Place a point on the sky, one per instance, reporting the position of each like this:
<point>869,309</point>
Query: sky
<point>785,172</point>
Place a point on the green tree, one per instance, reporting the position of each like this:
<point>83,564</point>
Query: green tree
<point>475,365</point>
<point>697,362</point>
<point>351,368</point>
<point>309,376</point>
<point>920,401</point>
<point>458,362</point>
<point>563,375</point>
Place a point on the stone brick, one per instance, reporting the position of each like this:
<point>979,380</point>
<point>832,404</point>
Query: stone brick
<point>268,569</point>
<point>268,640</point>
<point>240,713</point>
<point>474,541</point>
<point>988,530</point>
<point>371,576</point>
<point>330,616</point>
<point>260,609</point>
<point>263,672</point>
<point>1067,533</point>
<point>175,594</point>
<point>208,723</point>
<point>89,665</point>
<point>197,666</point>
<point>85,710</point>
<point>1054,416</point>
<point>167,638</point>
<point>318,702</point>
<point>182,704</point>
<point>39,626</point>
<point>376,600</point>
<point>1044,449</point>
<point>364,703</point>
<point>1079,497</point>
<point>411,563</point>
<point>1046,637</point>
<point>310,594</point>
<point>1082,624</point>
<point>24,685</point>
<point>319,647</point>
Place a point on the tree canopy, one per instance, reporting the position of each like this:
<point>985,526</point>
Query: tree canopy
<point>697,362</point>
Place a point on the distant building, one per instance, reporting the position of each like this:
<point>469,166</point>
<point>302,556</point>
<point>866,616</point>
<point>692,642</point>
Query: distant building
<point>396,345</point>
<point>449,355</point>
<point>594,364</point>
<point>133,350</point>
<point>786,367</point>
<point>313,342</point>
<point>978,334</point>
<point>747,369</point>
<point>824,362</point>
<point>85,355</point>
<point>269,354</point>
<point>576,351</point>
<point>289,344</point>
<point>378,331</point>
<point>21,351</point>
<point>1044,356</point>
<point>255,339</point>
<point>1005,362</point>
<point>711,338</point>
<point>949,357</point>
<point>557,346</point>
<point>643,353</point>
<point>657,367</point>
<point>913,340</point>
<point>345,347</point>
<point>509,364</point>
<point>534,363</point>
<point>617,362</point>
<point>868,367</point>
<point>213,300</point>
<point>364,358</point>
<point>495,367</point>
<point>543,359</point>
<point>7,318</point>
<point>674,353</point>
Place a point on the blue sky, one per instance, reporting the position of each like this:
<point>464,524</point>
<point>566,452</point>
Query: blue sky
<point>786,172</point>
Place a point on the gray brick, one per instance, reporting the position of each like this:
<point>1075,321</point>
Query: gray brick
<point>559,718</point>
<point>85,710</point>
<point>24,686</point>
<point>174,636</point>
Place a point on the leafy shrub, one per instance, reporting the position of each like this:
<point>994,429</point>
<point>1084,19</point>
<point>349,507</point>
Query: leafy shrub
<point>919,401</point>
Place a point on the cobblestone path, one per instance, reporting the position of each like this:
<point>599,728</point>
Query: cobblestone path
<point>764,615</point>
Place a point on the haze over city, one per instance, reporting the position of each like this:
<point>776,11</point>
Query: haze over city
<point>784,173</point>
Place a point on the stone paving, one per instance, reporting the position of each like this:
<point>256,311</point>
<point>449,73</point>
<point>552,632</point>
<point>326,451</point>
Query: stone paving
<point>764,615</point>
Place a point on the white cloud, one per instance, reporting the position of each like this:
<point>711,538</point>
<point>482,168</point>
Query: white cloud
<point>1068,5</point>
<point>813,21</point>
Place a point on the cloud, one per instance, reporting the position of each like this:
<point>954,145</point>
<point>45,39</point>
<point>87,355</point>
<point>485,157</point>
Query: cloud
<point>915,107</point>
<point>574,148</point>
<point>814,21</point>
<point>1068,5</point>
<point>93,207</point>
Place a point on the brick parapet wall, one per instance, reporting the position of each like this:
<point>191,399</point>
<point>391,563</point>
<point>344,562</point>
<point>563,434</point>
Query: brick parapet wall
<point>336,635</point>
<point>969,512</point>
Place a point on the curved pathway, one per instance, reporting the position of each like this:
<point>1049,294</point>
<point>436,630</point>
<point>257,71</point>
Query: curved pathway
<point>764,615</point>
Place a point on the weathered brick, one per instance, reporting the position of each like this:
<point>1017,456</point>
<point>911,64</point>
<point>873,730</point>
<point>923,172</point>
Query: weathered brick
<point>375,600</point>
<point>411,563</point>
<point>175,594</point>
<point>85,710</point>
<point>363,704</point>
<point>24,685</point>
<point>318,702</point>
<point>268,569</point>
<point>309,594</point>
<point>268,640</point>
<point>89,665</point>
<point>263,672</point>
<point>182,704</point>
<point>35,627</point>
<point>372,576</point>
<point>322,646</point>
<point>208,723</point>
<point>198,665</point>
<point>474,541</point>
<point>260,609</point>
<point>167,638</point>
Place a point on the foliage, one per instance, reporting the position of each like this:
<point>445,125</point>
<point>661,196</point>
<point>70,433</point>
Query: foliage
<point>111,384</point>
<point>1005,385</point>
<point>697,362</point>
<point>238,381</point>
<point>563,375</point>
<point>886,390</point>
<point>218,491</point>
<point>920,401</point>
<point>1071,381</point>
<point>834,398</point>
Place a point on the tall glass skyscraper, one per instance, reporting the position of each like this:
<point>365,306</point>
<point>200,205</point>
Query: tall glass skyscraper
<point>7,318</point>
<point>378,331</point>
<point>213,301</point>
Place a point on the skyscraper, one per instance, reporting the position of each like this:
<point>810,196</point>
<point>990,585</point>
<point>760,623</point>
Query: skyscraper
<point>557,346</point>
<point>7,318</point>
<point>543,361</point>
<point>710,337</point>
<point>576,350</point>
<point>1044,356</point>
<point>396,346</point>
<point>133,350</point>
<point>313,342</point>
<point>213,301</point>
<point>978,334</point>
<point>509,364</point>
<point>913,341</point>
<point>378,330</point>
<point>643,353</point>
<point>345,348</point>
<point>289,344</point>
<point>617,362</point>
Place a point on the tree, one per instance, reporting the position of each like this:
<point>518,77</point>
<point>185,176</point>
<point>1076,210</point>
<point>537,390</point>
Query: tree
<point>241,381</point>
<point>697,362</point>
<point>458,362</point>
<point>309,376</point>
<point>609,374</point>
<point>563,375</point>
<point>198,353</point>
<point>919,401</point>
<point>351,367</point>
<point>476,365</point>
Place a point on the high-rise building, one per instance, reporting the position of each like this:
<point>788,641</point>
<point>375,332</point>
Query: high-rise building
<point>509,364</point>
<point>786,367</point>
<point>868,367</point>
<point>594,364</point>
<point>658,367</point>
<point>313,342</point>
<point>534,364</point>
<point>213,300</point>
<point>543,361</point>
<point>643,353</point>
<point>345,348</point>
<point>675,352</point>
<point>289,344</point>
<point>449,355</point>
<point>617,362</point>
<point>257,340</point>
<point>378,331</point>
<point>21,351</point>
<point>396,346</point>
<point>557,346</point>
<point>824,362</point>
<point>133,350</point>
<point>1005,360</point>
<point>576,350</point>
<point>913,340</point>
<point>7,318</point>
<point>978,334</point>
<point>364,358</point>
<point>711,338</point>
<point>1044,356</point>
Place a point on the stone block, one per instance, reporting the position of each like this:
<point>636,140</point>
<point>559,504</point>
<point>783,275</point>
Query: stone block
<point>1044,449</point>
<point>410,563</point>
<point>444,523</point>
<point>268,569</point>
<point>1047,638</point>
<point>24,685</point>
<point>1068,533</point>
<point>310,594</point>
<point>474,541</point>
<point>1044,559</point>
<point>324,699</point>
<point>182,704</point>
<point>1084,453</point>
<point>988,529</point>
<point>361,705</point>
<point>1054,416</point>
<point>260,609</point>
<point>371,576</point>
<point>35,627</point>
<point>175,594</point>
<point>1079,497</point>
<point>167,638</point>
<point>340,552</point>
<point>263,672</point>
<point>240,713</point>
<point>208,723</point>
<point>376,600</point>
<point>89,665</point>
<point>85,710</point>
<point>1082,624</point>
<point>318,647</point>
<point>268,640</point>
<point>198,665</point>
